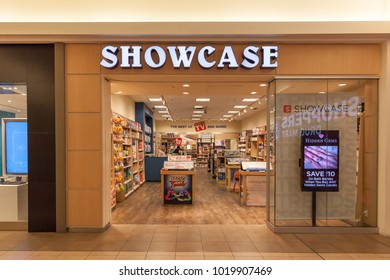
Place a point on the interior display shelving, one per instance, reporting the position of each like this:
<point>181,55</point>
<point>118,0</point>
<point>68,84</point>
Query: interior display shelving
<point>205,145</point>
<point>258,143</point>
<point>128,155</point>
<point>244,143</point>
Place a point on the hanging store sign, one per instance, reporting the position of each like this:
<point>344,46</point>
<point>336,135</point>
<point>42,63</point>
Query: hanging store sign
<point>182,57</point>
<point>199,126</point>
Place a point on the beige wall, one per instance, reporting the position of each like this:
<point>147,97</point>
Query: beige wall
<point>123,105</point>
<point>260,119</point>
<point>177,127</point>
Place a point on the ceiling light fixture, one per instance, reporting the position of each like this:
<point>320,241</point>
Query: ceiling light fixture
<point>196,119</point>
<point>240,106</point>
<point>186,92</point>
<point>263,85</point>
<point>322,92</point>
<point>233,112</point>
<point>118,92</point>
<point>227,116</point>
<point>186,85</point>
<point>254,92</point>
<point>158,99</point>
<point>196,116</point>
<point>203,99</point>
<point>160,107</point>
<point>198,107</point>
<point>249,99</point>
<point>342,85</point>
<point>198,112</point>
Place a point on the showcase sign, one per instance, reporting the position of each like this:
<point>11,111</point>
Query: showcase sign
<point>156,57</point>
<point>320,154</point>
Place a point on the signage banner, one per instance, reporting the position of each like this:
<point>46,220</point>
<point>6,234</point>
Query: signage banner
<point>320,160</point>
<point>199,126</point>
<point>177,141</point>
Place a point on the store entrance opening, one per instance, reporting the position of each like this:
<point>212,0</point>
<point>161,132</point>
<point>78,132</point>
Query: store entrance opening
<point>209,126</point>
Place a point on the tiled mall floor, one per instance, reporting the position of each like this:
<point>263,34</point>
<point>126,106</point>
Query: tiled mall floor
<point>191,242</point>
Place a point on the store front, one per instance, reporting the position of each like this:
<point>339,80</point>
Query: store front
<point>90,68</point>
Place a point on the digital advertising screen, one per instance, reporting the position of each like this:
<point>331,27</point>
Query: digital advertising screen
<point>320,160</point>
<point>15,147</point>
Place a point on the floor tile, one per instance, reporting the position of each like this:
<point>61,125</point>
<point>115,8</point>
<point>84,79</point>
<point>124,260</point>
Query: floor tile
<point>136,246</point>
<point>242,246</point>
<point>162,247</point>
<point>165,236</point>
<point>73,255</point>
<point>215,246</point>
<point>131,256</point>
<point>189,247</point>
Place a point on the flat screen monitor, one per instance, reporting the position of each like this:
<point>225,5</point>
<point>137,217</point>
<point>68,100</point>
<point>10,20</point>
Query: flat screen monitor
<point>15,147</point>
<point>320,160</point>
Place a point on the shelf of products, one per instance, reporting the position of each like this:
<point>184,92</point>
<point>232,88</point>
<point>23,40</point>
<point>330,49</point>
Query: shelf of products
<point>205,145</point>
<point>128,157</point>
<point>258,143</point>
<point>244,143</point>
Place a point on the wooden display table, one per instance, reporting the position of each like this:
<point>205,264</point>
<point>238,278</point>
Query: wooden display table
<point>253,188</point>
<point>177,186</point>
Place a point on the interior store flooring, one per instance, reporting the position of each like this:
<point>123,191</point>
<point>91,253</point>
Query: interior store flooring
<point>212,204</point>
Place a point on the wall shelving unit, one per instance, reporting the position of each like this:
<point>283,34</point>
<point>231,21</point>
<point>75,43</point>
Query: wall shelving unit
<point>128,156</point>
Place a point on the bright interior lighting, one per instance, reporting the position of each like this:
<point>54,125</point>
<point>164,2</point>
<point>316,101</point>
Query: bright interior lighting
<point>233,112</point>
<point>186,85</point>
<point>186,92</point>
<point>202,99</point>
<point>250,99</point>
<point>198,112</point>
<point>198,107</point>
<point>254,92</point>
<point>160,107</point>
<point>155,99</point>
<point>240,106</point>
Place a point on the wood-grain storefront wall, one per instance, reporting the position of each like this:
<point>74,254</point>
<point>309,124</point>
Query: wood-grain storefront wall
<point>87,110</point>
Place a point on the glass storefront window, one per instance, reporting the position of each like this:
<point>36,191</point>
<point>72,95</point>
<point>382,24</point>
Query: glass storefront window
<point>323,152</point>
<point>13,153</point>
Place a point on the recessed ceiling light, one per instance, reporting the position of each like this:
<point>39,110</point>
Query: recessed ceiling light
<point>227,116</point>
<point>186,92</point>
<point>24,94</point>
<point>155,99</point>
<point>9,101</point>
<point>263,85</point>
<point>202,99</point>
<point>322,92</point>
<point>186,85</point>
<point>254,92</point>
<point>233,112</point>
<point>196,119</point>
<point>250,99</point>
<point>118,92</point>
<point>223,119</point>
<point>198,112</point>
<point>240,106</point>
<point>198,107</point>
<point>163,112</point>
<point>196,116</point>
<point>166,116</point>
<point>160,107</point>
<point>342,85</point>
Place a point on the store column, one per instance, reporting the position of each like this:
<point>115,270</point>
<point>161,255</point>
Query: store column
<point>384,147</point>
<point>85,142</point>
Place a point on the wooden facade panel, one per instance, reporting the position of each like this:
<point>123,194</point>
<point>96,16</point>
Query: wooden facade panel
<point>82,59</point>
<point>332,59</point>
<point>84,131</point>
<point>84,208</point>
<point>83,93</point>
<point>85,170</point>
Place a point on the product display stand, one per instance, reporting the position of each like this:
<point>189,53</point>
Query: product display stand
<point>253,183</point>
<point>178,181</point>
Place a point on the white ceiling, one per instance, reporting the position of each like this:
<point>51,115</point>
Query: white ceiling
<point>224,92</point>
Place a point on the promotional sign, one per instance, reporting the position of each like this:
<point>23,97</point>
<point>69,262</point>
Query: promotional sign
<point>199,126</point>
<point>177,141</point>
<point>178,189</point>
<point>320,156</point>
